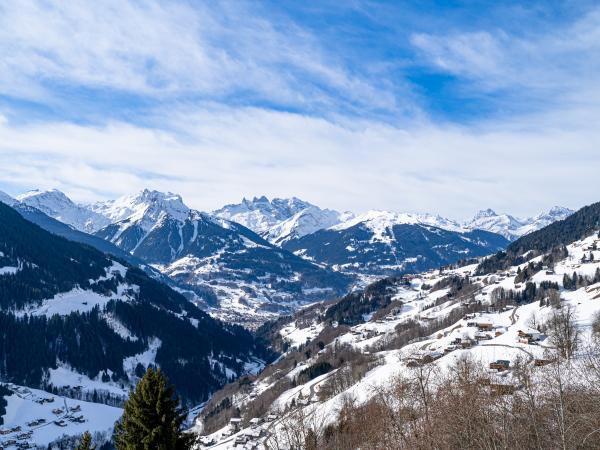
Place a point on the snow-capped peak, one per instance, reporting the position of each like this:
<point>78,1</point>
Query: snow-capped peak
<point>56,204</point>
<point>281,219</point>
<point>145,208</point>
<point>261,214</point>
<point>51,195</point>
<point>557,212</point>
<point>304,222</point>
<point>513,227</point>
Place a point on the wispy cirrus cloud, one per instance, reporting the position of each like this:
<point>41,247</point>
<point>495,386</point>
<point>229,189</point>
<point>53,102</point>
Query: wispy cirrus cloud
<point>549,64</point>
<point>172,50</point>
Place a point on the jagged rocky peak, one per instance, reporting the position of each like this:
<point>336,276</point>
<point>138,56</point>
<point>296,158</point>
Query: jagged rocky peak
<point>280,219</point>
<point>485,213</point>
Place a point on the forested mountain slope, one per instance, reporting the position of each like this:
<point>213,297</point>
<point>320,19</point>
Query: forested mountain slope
<point>67,310</point>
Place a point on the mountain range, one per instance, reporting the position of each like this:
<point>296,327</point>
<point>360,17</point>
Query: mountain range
<point>262,258</point>
<point>280,220</point>
<point>220,265</point>
<point>382,243</point>
<point>512,227</point>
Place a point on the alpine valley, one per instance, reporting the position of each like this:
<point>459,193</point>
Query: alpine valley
<point>260,259</point>
<point>251,309</point>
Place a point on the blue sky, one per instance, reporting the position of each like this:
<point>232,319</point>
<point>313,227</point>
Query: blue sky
<point>444,107</point>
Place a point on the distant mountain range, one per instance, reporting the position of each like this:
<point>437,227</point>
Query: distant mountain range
<point>513,228</point>
<point>280,220</point>
<point>262,258</point>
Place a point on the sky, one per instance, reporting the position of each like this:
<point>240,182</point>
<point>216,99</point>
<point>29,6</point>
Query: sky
<point>418,106</point>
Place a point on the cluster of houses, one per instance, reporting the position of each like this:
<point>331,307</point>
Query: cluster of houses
<point>19,441</point>
<point>246,438</point>
<point>6,431</point>
<point>530,337</point>
<point>43,400</point>
<point>71,417</point>
<point>35,423</point>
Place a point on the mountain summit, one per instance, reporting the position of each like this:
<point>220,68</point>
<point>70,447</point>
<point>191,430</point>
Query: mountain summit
<point>281,219</point>
<point>512,227</point>
<point>147,204</point>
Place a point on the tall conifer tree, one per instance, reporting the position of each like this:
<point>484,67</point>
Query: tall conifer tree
<point>152,419</point>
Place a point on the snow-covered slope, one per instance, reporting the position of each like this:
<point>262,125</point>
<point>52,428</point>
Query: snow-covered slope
<point>431,320</point>
<point>58,206</point>
<point>47,418</point>
<point>261,214</point>
<point>512,227</point>
<point>279,220</point>
<point>304,222</point>
<point>380,221</point>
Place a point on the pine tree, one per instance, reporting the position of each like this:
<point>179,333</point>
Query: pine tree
<point>152,418</point>
<point>86,442</point>
<point>566,282</point>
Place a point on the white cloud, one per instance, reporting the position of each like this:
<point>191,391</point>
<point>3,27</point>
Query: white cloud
<point>475,54</point>
<point>164,49</point>
<point>557,64</point>
<point>230,153</point>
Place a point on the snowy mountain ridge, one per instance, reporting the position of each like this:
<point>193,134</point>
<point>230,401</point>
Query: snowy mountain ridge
<point>278,220</point>
<point>58,206</point>
<point>7,199</point>
<point>146,208</point>
<point>379,221</point>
